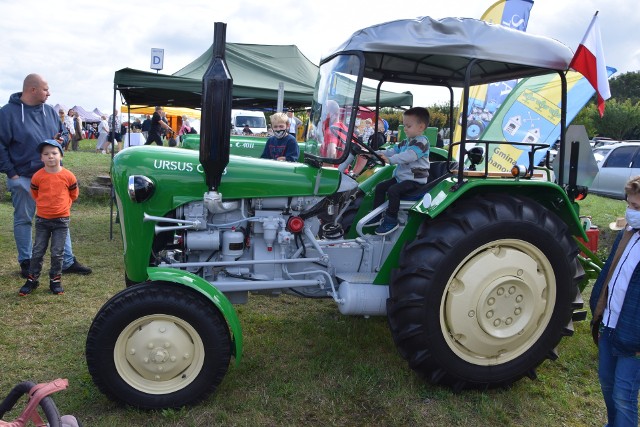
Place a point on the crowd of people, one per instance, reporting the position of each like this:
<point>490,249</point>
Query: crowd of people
<point>78,130</point>
<point>72,123</point>
<point>110,131</point>
<point>156,129</point>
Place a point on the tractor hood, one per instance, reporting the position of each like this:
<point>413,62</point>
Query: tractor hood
<point>178,175</point>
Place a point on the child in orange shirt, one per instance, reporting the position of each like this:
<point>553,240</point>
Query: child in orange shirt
<point>54,189</point>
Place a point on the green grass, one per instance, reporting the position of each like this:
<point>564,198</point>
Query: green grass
<point>304,363</point>
<point>603,211</point>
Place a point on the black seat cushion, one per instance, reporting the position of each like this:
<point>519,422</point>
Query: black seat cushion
<point>437,172</point>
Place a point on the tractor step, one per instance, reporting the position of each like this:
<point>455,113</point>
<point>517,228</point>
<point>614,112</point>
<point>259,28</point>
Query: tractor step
<point>579,315</point>
<point>356,277</point>
<point>578,302</point>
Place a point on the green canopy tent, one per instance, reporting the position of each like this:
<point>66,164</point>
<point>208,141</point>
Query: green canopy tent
<point>257,71</point>
<point>145,88</point>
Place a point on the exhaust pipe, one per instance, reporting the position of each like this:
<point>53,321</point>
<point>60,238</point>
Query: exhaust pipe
<point>217,85</point>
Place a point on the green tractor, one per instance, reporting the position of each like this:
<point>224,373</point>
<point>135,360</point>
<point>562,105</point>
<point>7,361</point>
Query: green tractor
<point>479,284</point>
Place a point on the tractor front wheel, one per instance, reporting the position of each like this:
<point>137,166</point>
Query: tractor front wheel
<point>157,345</point>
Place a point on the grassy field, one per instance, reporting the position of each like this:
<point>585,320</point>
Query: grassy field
<point>304,363</point>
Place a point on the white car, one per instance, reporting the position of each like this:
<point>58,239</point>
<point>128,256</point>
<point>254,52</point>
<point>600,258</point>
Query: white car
<point>617,166</point>
<point>601,153</point>
<point>599,141</point>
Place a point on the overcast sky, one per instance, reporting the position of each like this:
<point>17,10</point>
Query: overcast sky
<point>77,46</point>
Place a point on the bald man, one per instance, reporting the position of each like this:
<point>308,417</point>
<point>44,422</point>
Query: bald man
<point>25,122</point>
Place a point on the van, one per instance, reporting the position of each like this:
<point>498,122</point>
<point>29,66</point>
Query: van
<point>255,119</point>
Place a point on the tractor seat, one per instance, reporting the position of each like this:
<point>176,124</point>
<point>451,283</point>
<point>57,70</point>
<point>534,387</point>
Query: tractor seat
<point>437,172</point>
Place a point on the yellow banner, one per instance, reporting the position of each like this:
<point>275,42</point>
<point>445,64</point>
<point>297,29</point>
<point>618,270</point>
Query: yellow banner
<point>512,14</point>
<point>171,111</point>
<point>541,105</point>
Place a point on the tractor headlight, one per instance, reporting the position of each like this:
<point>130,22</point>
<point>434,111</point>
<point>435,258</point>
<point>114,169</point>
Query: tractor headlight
<point>140,188</point>
<point>519,171</point>
<point>475,155</point>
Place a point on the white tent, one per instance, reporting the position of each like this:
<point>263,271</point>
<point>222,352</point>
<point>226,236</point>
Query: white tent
<point>86,116</point>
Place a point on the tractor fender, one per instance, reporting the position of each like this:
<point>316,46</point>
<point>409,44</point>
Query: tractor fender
<point>445,193</point>
<point>548,194</point>
<point>210,292</point>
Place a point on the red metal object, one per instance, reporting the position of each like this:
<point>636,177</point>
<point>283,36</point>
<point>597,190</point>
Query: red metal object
<point>592,234</point>
<point>295,224</point>
<point>36,394</point>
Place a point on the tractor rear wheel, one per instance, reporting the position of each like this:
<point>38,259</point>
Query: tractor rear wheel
<point>157,345</point>
<point>484,294</point>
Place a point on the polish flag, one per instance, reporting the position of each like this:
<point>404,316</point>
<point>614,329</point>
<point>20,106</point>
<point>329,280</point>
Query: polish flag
<point>589,61</point>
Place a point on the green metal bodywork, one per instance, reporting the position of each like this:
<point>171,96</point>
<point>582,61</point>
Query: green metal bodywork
<point>430,132</point>
<point>249,146</point>
<point>446,192</point>
<point>546,193</point>
<point>178,179</point>
<point>211,293</point>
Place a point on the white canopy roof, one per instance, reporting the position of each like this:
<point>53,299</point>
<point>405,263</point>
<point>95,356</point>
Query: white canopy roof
<point>426,50</point>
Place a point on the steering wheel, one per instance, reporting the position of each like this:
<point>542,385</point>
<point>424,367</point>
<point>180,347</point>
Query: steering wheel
<point>357,147</point>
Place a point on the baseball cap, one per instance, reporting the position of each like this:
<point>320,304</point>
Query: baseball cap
<point>51,142</point>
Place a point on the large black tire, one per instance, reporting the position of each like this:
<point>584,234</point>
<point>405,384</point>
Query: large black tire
<point>157,345</point>
<point>484,294</point>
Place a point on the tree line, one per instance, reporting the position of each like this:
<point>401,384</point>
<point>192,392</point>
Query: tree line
<point>621,120</point>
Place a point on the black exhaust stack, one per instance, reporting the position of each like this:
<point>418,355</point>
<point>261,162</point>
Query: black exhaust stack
<point>215,132</point>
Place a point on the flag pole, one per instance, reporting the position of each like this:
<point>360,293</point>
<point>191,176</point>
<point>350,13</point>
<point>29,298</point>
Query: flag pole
<point>585,35</point>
